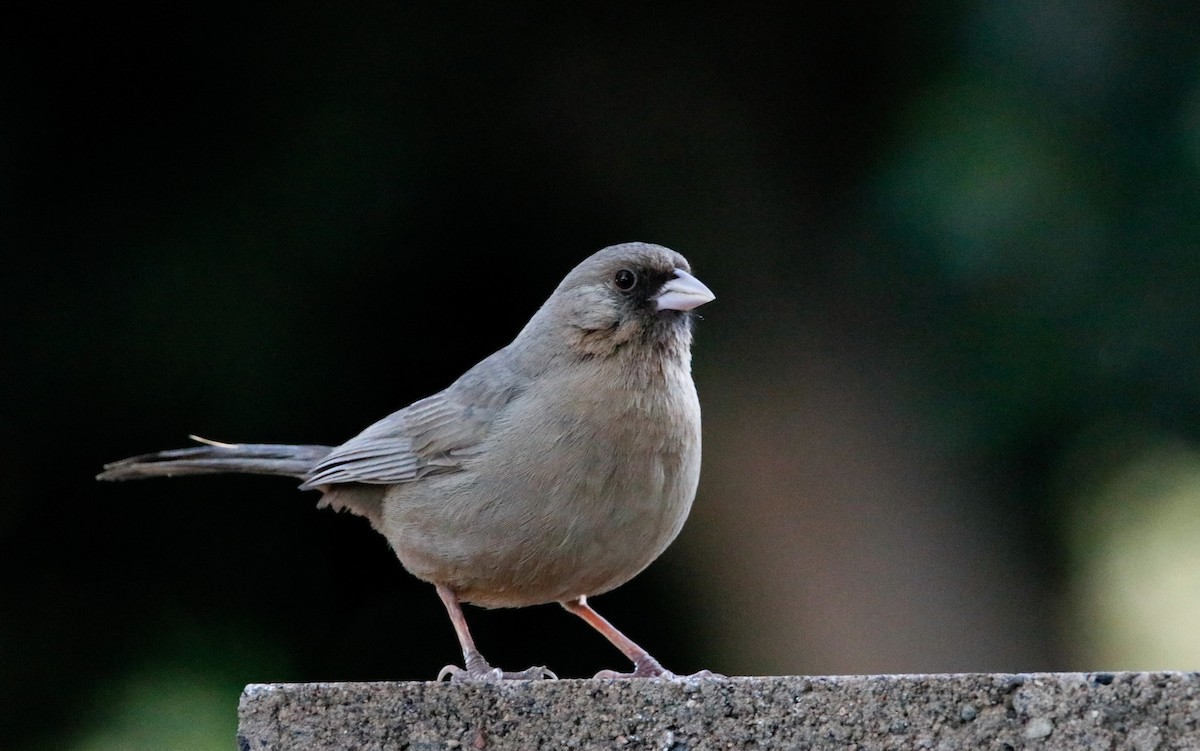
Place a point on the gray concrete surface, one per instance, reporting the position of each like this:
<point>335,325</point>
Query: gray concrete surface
<point>1140,711</point>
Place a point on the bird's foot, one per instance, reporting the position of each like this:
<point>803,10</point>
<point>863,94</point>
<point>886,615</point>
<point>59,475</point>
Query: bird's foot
<point>455,674</point>
<point>652,668</point>
<point>479,670</point>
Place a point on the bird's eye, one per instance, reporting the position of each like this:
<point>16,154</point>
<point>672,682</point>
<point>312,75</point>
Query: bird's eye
<point>625,280</point>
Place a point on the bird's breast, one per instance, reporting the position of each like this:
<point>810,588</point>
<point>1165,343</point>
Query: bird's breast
<point>584,481</point>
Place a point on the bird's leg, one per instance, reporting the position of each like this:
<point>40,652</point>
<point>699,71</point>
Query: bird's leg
<point>477,668</point>
<point>644,666</point>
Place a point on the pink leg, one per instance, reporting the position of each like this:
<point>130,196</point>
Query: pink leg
<point>477,668</point>
<point>644,666</point>
<point>476,665</point>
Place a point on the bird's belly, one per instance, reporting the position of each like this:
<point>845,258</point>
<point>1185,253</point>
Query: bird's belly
<point>531,534</point>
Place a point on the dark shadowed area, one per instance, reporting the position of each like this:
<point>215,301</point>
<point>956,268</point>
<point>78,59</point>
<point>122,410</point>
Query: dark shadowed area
<point>951,379</point>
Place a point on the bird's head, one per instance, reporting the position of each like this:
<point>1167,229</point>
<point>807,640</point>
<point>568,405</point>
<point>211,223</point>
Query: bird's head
<point>629,293</point>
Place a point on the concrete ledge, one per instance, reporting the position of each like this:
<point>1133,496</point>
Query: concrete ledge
<point>1141,711</point>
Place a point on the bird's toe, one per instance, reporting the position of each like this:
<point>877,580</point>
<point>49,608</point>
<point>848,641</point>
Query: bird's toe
<point>652,669</point>
<point>488,674</point>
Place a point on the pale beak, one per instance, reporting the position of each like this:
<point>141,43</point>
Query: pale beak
<point>684,292</point>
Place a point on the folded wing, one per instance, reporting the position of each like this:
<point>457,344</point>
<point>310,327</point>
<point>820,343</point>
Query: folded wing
<point>430,436</point>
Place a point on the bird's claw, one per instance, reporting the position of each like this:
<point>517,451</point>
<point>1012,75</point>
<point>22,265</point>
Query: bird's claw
<point>535,673</point>
<point>485,673</point>
<point>651,668</point>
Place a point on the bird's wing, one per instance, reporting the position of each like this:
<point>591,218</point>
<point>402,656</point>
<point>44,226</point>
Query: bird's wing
<point>430,436</point>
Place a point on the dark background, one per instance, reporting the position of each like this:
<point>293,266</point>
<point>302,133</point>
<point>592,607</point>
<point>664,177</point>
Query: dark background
<point>951,379</point>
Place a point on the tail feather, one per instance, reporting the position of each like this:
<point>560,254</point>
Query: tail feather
<point>214,458</point>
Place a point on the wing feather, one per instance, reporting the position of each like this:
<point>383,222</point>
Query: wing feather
<point>430,436</point>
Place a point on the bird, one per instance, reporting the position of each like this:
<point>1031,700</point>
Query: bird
<point>554,470</point>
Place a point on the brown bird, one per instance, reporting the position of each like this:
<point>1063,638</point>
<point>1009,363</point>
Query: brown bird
<point>556,469</point>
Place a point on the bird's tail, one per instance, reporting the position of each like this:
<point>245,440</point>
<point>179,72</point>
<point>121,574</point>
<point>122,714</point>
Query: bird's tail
<point>214,458</point>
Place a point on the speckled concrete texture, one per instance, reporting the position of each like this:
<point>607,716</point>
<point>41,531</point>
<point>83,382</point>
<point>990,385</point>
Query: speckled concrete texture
<point>1140,711</point>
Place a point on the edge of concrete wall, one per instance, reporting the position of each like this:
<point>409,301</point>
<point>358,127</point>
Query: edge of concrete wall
<point>1142,711</point>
